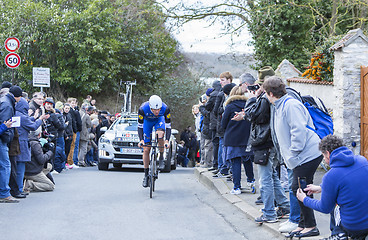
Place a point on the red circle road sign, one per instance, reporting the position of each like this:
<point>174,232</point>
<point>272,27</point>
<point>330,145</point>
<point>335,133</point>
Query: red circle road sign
<point>12,44</point>
<point>12,60</point>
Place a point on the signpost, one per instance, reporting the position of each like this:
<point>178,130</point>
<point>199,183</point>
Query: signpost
<point>41,77</point>
<point>12,60</point>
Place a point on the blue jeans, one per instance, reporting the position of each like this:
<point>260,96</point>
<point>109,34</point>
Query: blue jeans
<point>236,162</point>
<point>222,165</point>
<point>60,157</point>
<point>294,205</point>
<point>4,170</point>
<point>271,188</point>
<point>21,168</point>
<point>236,169</point>
<point>76,148</point>
<point>89,157</point>
<point>248,167</point>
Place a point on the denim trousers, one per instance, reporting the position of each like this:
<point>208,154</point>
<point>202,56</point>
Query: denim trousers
<point>236,170</point>
<point>89,156</point>
<point>294,205</point>
<point>4,170</point>
<point>236,162</point>
<point>223,166</point>
<point>270,187</point>
<point>76,148</point>
<point>21,168</point>
<point>248,167</point>
<point>60,157</point>
<point>307,170</point>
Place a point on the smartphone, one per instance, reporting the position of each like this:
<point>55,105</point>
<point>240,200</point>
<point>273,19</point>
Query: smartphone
<point>302,182</point>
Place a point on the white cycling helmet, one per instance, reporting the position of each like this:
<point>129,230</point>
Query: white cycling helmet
<point>155,102</point>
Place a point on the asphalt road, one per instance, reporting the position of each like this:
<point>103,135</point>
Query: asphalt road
<point>91,204</point>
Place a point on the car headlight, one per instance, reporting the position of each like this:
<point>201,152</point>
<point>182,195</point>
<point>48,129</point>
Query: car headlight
<point>105,140</point>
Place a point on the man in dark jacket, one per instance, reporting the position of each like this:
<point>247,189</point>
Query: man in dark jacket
<point>103,122</point>
<point>257,111</point>
<point>68,134</point>
<point>209,106</point>
<point>52,124</point>
<point>7,112</point>
<point>206,143</point>
<point>77,127</point>
<point>36,104</point>
<point>35,175</point>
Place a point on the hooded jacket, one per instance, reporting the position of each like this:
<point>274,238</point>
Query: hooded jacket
<point>236,132</point>
<point>346,184</point>
<point>27,124</point>
<point>298,144</point>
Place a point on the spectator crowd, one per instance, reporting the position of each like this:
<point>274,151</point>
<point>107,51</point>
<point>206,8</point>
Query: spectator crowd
<point>262,124</point>
<point>41,137</point>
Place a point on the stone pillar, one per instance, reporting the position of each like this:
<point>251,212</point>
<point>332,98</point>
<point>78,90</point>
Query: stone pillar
<point>287,70</point>
<point>350,53</point>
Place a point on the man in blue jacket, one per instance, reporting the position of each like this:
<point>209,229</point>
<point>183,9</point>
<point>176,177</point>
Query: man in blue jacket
<point>345,185</point>
<point>7,112</point>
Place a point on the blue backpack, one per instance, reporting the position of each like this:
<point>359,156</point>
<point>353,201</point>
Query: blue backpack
<point>322,121</point>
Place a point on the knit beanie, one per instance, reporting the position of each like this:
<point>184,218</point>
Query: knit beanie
<point>16,91</point>
<point>227,88</point>
<point>6,84</point>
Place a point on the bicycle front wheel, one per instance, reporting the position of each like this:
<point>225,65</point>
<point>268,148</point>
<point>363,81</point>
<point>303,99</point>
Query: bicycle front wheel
<point>152,185</point>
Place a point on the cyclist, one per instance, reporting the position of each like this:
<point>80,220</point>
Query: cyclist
<point>153,113</point>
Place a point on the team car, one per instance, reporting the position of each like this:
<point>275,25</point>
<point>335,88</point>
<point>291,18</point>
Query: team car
<point>119,145</point>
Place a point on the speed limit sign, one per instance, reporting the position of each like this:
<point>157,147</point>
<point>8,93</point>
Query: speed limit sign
<point>12,60</point>
<point>12,44</point>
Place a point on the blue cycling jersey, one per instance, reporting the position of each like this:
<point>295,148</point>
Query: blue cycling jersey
<point>147,120</point>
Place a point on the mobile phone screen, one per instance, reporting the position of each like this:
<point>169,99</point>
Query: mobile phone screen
<point>302,182</point>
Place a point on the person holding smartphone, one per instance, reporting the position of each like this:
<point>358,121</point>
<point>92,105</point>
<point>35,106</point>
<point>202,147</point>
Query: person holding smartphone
<point>345,185</point>
<point>298,146</point>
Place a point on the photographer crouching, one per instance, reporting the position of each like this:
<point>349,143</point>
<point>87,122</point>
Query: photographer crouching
<point>37,177</point>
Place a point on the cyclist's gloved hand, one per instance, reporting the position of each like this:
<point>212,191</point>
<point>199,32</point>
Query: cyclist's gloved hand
<point>167,144</point>
<point>141,143</point>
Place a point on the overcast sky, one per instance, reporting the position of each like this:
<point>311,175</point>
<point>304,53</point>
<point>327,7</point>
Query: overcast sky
<point>197,36</point>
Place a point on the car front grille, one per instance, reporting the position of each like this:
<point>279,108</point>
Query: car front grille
<point>124,144</point>
<point>119,155</point>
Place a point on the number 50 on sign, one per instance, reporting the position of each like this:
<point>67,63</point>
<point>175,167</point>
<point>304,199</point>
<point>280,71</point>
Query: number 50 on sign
<point>12,60</point>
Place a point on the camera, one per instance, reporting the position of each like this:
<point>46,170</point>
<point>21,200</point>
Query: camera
<point>49,145</point>
<point>253,87</point>
<point>203,98</point>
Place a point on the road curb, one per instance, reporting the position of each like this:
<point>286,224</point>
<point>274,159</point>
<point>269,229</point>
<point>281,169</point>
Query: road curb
<point>221,187</point>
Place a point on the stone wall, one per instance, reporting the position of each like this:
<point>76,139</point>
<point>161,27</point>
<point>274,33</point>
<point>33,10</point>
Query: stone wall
<point>348,60</point>
<point>315,89</point>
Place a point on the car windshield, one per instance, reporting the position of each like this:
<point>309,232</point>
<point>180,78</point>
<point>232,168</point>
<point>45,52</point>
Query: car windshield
<point>125,125</point>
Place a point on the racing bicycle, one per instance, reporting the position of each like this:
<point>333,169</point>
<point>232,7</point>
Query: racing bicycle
<point>153,168</point>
